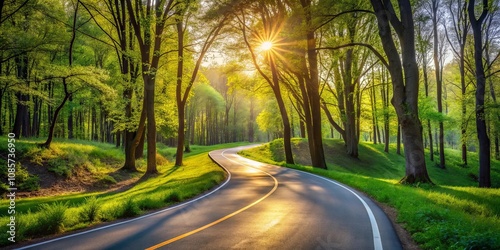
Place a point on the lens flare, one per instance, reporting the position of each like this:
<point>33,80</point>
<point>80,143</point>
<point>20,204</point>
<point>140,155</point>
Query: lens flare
<point>266,45</point>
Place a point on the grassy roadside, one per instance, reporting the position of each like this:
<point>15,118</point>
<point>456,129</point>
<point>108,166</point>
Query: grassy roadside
<point>453,214</point>
<point>37,217</point>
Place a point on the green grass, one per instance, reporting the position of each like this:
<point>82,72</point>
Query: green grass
<point>172,185</point>
<point>453,214</point>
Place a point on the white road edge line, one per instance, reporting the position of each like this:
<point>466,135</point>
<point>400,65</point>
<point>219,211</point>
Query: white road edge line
<point>138,218</point>
<point>377,240</point>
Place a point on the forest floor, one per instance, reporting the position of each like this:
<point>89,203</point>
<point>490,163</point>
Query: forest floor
<point>452,213</point>
<point>70,167</point>
<point>81,180</point>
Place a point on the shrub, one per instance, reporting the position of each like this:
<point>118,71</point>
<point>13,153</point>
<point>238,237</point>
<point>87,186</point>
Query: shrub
<point>108,180</point>
<point>91,210</point>
<point>149,203</point>
<point>32,183</point>
<point>173,197</point>
<point>60,167</point>
<point>49,220</point>
<point>24,180</point>
<point>129,209</point>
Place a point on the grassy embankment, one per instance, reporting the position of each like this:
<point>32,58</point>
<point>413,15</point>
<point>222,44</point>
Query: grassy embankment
<point>40,216</point>
<point>452,214</point>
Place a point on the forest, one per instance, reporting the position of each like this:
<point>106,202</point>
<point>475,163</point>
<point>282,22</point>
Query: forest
<point>115,109</point>
<point>396,98</point>
<point>419,74</point>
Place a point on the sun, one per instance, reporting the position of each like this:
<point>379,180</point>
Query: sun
<point>266,45</point>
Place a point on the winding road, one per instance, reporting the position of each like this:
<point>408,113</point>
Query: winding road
<point>260,206</point>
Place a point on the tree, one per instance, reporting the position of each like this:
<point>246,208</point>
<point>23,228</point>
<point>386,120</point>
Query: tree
<point>123,41</point>
<point>423,47</point>
<point>271,16</point>
<point>460,29</point>
<point>67,93</point>
<point>182,93</point>
<point>438,70</point>
<point>311,76</point>
<point>149,21</point>
<point>482,132</point>
<point>348,72</point>
<point>405,81</point>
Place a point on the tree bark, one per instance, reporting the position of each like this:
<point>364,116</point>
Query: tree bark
<point>398,142</point>
<point>374,112</point>
<point>287,132</point>
<point>439,80</point>
<point>56,114</point>
<point>148,25</point>
<point>349,92</point>
<point>429,128</point>
<point>70,119</point>
<point>405,89</point>
<point>318,158</point>
<point>178,93</point>
<point>251,133</point>
<point>22,98</point>
<point>482,133</point>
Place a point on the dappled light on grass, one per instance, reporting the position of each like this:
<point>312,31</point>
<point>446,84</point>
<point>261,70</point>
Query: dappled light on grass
<point>438,216</point>
<point>172,185</point>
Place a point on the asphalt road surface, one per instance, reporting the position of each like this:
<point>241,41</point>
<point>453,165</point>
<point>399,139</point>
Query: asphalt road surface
<point>260,206</point>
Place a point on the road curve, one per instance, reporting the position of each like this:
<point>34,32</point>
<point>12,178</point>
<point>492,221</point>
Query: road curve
<point>260,206</point>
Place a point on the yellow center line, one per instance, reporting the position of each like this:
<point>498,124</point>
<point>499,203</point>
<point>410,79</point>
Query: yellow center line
<point>182,236</point>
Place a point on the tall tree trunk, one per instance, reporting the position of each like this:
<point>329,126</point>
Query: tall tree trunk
<point>151,124</point>
<point>56,114</point>
<point>287,132</point>
<point>482,133</point>
<point>385,100</point>
<point>180,104</point>
<point>350,119</point>
<point>439,80</point>
<point>463,123</point>
<point>429,128</point>
<point>251,133</point>
<point>405,89</point>
<point>118,138</point>
<point>22,98</point>
<point>67,94</point>
<point>70,118</point>
<point>374,112</point>
<point>318,159</point>
<point>398,148</point>
<point>139,145</point>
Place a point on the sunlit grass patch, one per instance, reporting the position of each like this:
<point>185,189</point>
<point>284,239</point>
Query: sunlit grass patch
<point>174,184</point>
<point>443,216</point>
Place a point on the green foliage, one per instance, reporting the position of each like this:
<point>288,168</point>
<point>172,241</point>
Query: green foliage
<point>24,180</point>
<point>60,166</point>
<point>30,183</point>
<point>173,197</point>
<point>49,220</point>
<point>269,120</point>
<point>150,203</point>
<point>129,208</point>
<point>91,210</point>
<point>107,179</point>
